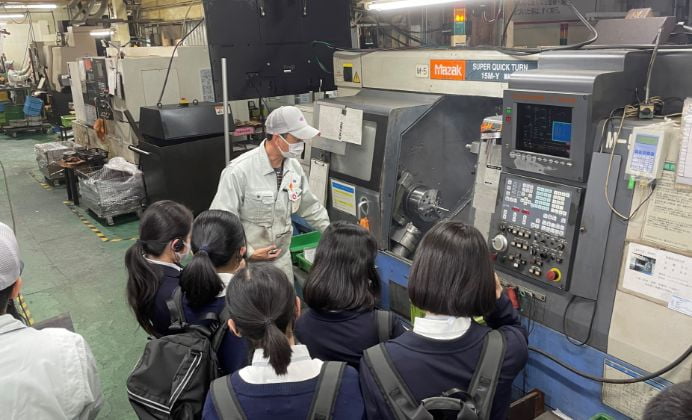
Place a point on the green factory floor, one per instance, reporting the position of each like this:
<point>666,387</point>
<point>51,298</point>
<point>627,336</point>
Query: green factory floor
<point>73,267</point>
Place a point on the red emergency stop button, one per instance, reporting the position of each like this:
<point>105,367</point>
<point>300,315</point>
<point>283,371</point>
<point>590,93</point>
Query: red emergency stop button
<point>553,275</point>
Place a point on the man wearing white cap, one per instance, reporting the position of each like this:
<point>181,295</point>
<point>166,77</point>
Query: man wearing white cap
<point>47,374</point>
<point>266,185</point>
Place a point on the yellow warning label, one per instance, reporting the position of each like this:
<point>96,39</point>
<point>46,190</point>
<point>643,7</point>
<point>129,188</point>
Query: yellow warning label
<point>356,78</point>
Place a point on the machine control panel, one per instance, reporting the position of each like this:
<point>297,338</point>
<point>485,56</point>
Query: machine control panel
<point>533,232</point>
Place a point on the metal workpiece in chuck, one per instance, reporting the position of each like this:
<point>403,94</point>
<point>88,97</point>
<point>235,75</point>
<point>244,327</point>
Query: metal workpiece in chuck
<point>424,203</point>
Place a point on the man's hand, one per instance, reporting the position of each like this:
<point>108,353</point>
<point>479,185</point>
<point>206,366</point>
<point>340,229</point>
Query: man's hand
<point>498,287</point>
<point>269,253</point>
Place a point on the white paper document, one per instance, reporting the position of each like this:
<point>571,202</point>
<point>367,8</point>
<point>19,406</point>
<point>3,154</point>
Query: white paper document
<point>660,275</point>
<point>341,124</point>
<point>684,175</point>
<point>319,172</point>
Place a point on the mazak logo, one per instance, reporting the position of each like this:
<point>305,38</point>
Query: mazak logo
<point>448,69</point>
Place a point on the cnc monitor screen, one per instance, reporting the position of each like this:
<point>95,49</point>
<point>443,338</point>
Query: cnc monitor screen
<point>544,129</point>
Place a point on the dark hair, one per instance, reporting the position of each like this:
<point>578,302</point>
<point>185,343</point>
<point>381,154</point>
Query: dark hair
<point>674,402</point>
<point>261,302</point>
<point>343,276</point>
<point>163,222</point>
<point>270,136</point>
<point>5,298</point>
<point>452,273</point>
<point>217,237</point>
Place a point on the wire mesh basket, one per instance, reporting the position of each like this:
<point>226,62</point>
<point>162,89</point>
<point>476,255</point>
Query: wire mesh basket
<point>113,190</point>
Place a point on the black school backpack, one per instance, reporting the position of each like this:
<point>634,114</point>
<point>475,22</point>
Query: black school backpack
<point>172,377</point>
<point>322,407</point>
<point>474,404</point>
<point>385,325</point>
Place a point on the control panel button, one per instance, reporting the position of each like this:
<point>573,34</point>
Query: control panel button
<point>553,275</point>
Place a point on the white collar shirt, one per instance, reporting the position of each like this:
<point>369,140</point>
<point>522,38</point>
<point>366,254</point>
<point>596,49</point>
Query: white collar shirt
<point>301,368</point>
<point>165,264</point>
<point>440,327</point>
<point>226,280</point>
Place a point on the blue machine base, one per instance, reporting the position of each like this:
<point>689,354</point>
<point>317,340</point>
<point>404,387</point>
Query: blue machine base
<point>575,396</point>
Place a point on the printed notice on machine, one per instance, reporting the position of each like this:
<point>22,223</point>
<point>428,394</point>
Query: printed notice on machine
<point>669,215</point>
<point>660,275</point>
<point>343,197</point>
<point>685,157</point>
<point>319,172</point>
<point>341,124</point>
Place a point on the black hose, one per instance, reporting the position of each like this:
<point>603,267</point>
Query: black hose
<point>9,198</point>
<point>170,62</point>
<point>590,377</point>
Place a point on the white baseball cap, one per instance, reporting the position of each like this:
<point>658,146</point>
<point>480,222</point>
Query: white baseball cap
<point>289,119</point>
<point>10,263</point>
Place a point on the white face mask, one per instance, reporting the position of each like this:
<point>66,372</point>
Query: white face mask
<point>295,151</point>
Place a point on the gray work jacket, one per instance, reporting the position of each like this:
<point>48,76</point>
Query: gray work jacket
<point>248,189</point>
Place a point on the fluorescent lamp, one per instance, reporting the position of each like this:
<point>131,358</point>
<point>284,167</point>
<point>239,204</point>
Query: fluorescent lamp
<point>401,4</point>
<point>13,16</point>
<point>30,6</point>
<point>101,33</point>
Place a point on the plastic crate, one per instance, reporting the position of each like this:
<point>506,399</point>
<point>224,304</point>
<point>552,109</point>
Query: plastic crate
<point>14,112</point>
<point>300,243</point>
<point>66,120</point>
<point>3,105</point>
<point>302,262</point>
<point>3,118</point>
<point>33,106</point>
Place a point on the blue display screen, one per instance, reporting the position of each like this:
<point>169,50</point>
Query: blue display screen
<point>562,132</point>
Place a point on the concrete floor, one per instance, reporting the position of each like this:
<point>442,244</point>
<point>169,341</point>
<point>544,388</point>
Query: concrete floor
<point>68,268</point>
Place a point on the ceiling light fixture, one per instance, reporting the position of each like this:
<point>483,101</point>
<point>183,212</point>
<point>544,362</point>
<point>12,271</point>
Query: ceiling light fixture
<point>30,6</point>
<point>401,4</point>
<point>101,33</point>
<point>12,16</point>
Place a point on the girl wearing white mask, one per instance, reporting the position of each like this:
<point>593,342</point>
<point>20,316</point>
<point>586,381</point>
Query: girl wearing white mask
<point>153,263</point>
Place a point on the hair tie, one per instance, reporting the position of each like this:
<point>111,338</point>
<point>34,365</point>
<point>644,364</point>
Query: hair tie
<point>203,248</point>
<point>268,322</point>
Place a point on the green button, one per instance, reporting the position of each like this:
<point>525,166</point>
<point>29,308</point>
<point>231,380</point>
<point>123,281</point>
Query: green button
<point>508,110</point>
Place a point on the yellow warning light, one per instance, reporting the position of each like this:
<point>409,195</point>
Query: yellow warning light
<point>460,15</point>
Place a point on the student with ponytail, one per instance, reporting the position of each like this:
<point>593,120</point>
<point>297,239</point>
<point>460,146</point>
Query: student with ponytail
<point>282,380</point>
<point>153,263</point>
<point>218,244</point>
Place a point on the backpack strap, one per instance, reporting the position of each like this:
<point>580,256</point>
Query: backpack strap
<point>487,374</point>
<point>384,325</point>
<point>393,388</point>
<point>225,400</point>
<point>175,308</point>
<point>221,330</point>
<point>326,391</point>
